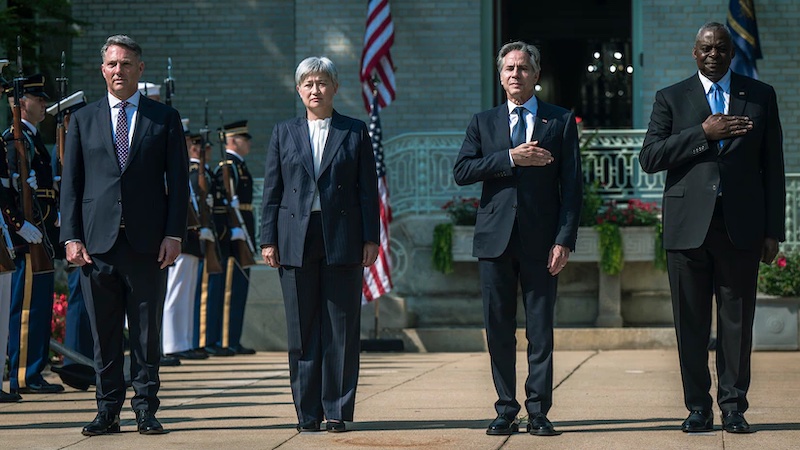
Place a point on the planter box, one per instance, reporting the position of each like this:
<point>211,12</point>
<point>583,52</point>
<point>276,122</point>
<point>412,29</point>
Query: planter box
<point>638,244</point>
<point>776,323</point>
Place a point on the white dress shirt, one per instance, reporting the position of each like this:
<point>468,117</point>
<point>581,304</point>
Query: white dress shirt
<point>531,108</point>
<point>724,83</point>
<point>318,133</point>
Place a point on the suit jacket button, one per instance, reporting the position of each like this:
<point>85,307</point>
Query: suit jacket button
<point>294,190</point>
<point>339,187</point>
<point>344,213</point>
<point>291,215</point>
<point>515,206</point>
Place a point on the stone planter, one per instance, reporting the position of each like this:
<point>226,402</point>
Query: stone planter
<point>462,243</point>
<point>638,245</point>
<point>776,323</point>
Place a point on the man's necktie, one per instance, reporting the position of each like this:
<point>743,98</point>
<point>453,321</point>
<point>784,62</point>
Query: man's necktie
<point>717,103</point>
<point>518,133</point>
<point>121,141</point>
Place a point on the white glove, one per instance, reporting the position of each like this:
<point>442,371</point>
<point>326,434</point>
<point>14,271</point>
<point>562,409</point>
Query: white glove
<point>237,234</point>
<point>58,219</point>
<point>56,182</point>
<point>210,201</point>
<point>235,202</point>
<point>30,233</point>
<point>32,181</point>
<point>207,235</point>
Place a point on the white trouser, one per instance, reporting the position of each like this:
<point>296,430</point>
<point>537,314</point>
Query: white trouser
<point>178,328</point>
<point>5,315</point>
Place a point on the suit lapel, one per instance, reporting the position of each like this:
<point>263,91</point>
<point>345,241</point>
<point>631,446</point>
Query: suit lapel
<point>105,119</point>
<point>500,123</point>
<point>302,143</point>
<point>738,102</point>
<point>140,130</point>
<point>697,97</point>
<point>542,121</point>
<point>738,95</point>
<point>336,134</point>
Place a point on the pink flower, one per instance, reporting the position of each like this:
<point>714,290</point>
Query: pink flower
<point>781,262</point>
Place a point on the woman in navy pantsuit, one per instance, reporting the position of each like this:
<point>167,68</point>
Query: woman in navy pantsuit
<point>320,227</point>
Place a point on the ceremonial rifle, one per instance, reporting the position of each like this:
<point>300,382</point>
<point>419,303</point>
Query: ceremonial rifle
<point>41,261</point>
<point>245,248</point>
<point>61,119</point>
<point>7,253</point>
<point>211,249</point>
<point>169,84</point>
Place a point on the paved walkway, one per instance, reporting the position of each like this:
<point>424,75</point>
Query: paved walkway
<point>603,400</point>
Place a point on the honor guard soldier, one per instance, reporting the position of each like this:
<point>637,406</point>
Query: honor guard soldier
<point>179,308</point>
<point>5,294</point>
<point>235,228</point>
<point>32,283</point>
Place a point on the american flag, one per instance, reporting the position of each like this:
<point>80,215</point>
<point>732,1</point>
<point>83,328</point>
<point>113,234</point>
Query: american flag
<point>376,62</point>
<point>378,277</point>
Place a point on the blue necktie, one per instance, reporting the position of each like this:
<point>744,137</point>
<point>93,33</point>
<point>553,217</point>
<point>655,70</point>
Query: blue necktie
<point>717,103</point>
<point>518,133</point>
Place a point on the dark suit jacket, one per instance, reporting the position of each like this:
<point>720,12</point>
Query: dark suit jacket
<point>348,190</point>
<point>750,167</point>
<point>545,200</point>
<point>150,193</point>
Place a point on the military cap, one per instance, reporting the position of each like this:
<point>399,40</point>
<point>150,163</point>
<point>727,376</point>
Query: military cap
<point>149,89</point>
<point>238,128</point>
<point>33,85</point>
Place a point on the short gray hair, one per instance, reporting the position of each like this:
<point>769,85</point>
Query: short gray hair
<point>316,64</point>
<point>123,41</point>
<point>713,26</point>
<point>530,50</point>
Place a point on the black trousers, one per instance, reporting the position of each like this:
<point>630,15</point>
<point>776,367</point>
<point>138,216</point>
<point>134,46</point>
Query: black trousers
<point>323,319</point>
<point>124,282</point>
<point>499,279</point>
<point>715,269</point>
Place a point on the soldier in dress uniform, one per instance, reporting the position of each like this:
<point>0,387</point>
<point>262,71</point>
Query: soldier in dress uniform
<point>31,294</point>
<point>5,311</point>
<point>150,90</point>
<point>178,329</point>
<point>237,143</point>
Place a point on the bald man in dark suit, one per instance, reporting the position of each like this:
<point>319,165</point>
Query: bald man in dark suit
<point>717,134</point>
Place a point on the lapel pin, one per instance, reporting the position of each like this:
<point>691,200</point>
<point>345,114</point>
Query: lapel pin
<point>741,92</point>
<point>544,120</point>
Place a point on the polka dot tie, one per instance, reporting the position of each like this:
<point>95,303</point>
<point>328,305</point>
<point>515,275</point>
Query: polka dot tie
<point>121,140</point>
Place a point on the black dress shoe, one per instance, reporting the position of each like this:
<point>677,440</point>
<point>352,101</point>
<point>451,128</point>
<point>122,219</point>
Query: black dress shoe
<point>242,350</point>
<point>188,354</point>
<point>502,426</point>
<point>39,387</point>
<point>538,425</point>
<point>103,423</point>
<point>147,423</point>
<point>335,426</point>
<point>698,421</point>
<point>309,426</point>
<point>5,397</point>
<point>734,422</point>
<point>216,350</point>
<point>169,361</point>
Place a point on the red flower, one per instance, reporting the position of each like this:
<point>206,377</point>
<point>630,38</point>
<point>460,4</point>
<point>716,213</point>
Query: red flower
<point>781,262</point>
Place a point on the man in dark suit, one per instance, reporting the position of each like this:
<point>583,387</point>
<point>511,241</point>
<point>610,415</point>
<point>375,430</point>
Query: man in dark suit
<point>124,193</point>
<point>320,225</point>
<point>718,136</point>
<point>526,154</point>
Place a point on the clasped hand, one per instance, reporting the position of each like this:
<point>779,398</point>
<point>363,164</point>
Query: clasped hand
<point>722,126</point>
<point>529,154</point>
